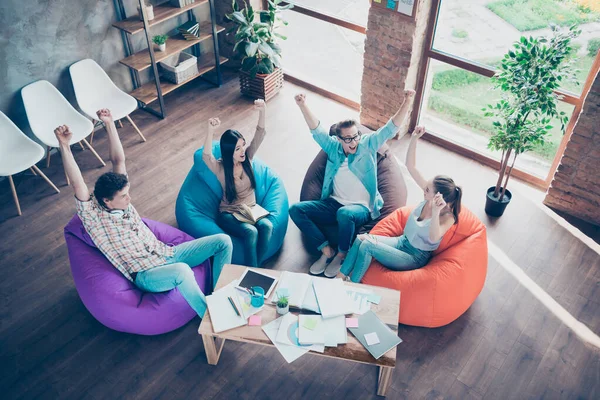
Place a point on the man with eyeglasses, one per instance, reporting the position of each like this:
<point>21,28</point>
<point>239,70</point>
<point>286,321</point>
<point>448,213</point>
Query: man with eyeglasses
<point>349,196</point>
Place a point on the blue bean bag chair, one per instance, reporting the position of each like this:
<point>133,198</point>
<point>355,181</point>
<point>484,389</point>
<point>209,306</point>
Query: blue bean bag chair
<point>198,201</point>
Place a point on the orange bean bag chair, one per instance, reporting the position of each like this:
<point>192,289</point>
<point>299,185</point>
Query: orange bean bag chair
<point>445,288</point>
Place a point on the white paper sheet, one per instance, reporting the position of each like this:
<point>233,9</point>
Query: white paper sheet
<point>359,299</point>
<point>289,353</point>
<point>332,297</point>
<point>288,334</point>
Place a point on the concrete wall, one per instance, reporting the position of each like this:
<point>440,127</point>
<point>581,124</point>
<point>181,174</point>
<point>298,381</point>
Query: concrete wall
<point>41,39</point>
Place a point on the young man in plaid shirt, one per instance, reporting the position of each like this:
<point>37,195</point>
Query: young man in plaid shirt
<point>118,231</point>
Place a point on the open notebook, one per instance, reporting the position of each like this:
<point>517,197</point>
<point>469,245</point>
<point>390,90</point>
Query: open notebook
<point>300,290</point>
<point>250,214</point>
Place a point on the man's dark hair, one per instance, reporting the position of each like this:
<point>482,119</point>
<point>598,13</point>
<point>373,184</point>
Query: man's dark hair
<point>336,129</point>
<point>108,185</point>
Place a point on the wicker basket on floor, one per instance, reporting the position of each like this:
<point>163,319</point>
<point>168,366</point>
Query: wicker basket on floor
<point>179,67</point>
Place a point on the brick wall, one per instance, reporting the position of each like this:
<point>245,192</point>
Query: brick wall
<point>575,188</point>
<point>393,52</point>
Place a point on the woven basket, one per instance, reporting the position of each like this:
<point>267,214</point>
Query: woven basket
<point>179,67</point>
<point>261,86</point>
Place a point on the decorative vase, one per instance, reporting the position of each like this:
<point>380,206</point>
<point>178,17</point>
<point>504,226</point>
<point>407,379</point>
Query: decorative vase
<point>149,13</point>
<point>283,310</point>
<point>161,47</point>
<point>495,207</point>
<point>262,86</point>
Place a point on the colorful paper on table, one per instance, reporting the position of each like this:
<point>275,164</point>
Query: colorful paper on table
<point>288,334</point>
<point>310,323</point>
<point>243,298</point>
<point>351,323</point>
<point>372,338</point>
<point>312,329</point>
<point>290,353</point>
<point>359,298</point>
<point>254,320</point>
<point>374,298</point>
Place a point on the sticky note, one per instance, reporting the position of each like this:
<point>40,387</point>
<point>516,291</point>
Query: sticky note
<point>371,338</point>
<point>374,298</point>
<point>310,323</point>
<point>254,320</point>
<point>351,322</point>
<point>283,292</point>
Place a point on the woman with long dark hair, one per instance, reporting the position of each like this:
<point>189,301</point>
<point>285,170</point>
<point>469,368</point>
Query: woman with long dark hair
<point>234,172</point>
<point>423,232</point>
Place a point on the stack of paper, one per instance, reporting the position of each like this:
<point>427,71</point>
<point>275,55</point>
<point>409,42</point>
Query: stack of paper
<point>222,313</point>
<point>300,290</point>
<point>288,334</point>
<point>332,298</point>
<point>289,352</point>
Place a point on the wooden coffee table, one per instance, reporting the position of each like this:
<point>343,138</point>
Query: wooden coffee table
<point>387,310</point>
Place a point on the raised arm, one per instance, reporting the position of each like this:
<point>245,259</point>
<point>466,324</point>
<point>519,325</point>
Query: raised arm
<point>117,155</point>
<point>207,155</point>
<point>259,134</point>
<point>310,118</point>
<point>389,130</point>
<point>411,157</point>
<point>402,112</point>
<point>439,223</point>
<point>63,134</point>
<point>327,143</point>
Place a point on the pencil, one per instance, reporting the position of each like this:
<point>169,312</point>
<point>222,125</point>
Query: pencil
<point>234,306</point>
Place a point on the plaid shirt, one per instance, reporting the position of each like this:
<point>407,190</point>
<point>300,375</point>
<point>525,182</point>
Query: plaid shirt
<point>123,237</point>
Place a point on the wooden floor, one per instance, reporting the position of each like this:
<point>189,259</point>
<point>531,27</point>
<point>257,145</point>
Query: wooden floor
<point>507,345</point>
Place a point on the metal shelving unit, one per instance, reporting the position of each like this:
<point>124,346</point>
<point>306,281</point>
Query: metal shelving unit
<point>142,60</point>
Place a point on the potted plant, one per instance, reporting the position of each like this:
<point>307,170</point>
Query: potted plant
<point>283,306</point>
<point>255,43</point>
<point>149,11</point>
<point>528,75</point>
<point>161,42</point>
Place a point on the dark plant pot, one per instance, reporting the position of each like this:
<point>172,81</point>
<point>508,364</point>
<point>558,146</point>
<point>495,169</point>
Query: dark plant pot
<point>495,207</point>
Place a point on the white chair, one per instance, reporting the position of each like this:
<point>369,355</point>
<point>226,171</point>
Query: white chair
<point>48,109</point>
<point>18,153</point>
<point>95,90</point>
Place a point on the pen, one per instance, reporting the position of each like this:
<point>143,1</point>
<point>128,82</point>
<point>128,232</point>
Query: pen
<point>234,306</point>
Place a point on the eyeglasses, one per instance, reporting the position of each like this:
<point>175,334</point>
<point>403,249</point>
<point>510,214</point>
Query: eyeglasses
<point>351,139</point>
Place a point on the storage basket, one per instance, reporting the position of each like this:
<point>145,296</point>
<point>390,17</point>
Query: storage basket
<point>179,67</point>
<point>181,3</point>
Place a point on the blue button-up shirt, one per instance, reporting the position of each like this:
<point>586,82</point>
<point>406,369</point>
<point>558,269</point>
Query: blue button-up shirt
<point>363,163</point>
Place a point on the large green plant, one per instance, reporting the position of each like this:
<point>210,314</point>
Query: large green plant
<point>528,75</point>
<point>255,41</point>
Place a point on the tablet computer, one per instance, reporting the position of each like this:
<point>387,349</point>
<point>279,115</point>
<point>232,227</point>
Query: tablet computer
<point>252,278</point>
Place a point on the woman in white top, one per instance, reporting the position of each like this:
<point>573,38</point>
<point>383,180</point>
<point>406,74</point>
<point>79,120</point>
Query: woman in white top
<point>234,172</point>
<point>423,232</point>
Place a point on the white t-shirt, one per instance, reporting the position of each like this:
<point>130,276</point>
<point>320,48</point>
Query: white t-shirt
<point>348,189</point>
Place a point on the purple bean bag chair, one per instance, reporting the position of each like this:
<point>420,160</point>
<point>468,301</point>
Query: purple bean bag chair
<point>115,301</point>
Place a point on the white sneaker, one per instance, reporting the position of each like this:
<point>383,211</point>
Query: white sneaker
<point>319,266</point>
<point>334,267</point>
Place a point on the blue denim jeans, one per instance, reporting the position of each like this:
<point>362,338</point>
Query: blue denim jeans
<point>307,215</point>
<point>395,253</point>
<point>177,271</point>
<point>256,237</point>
